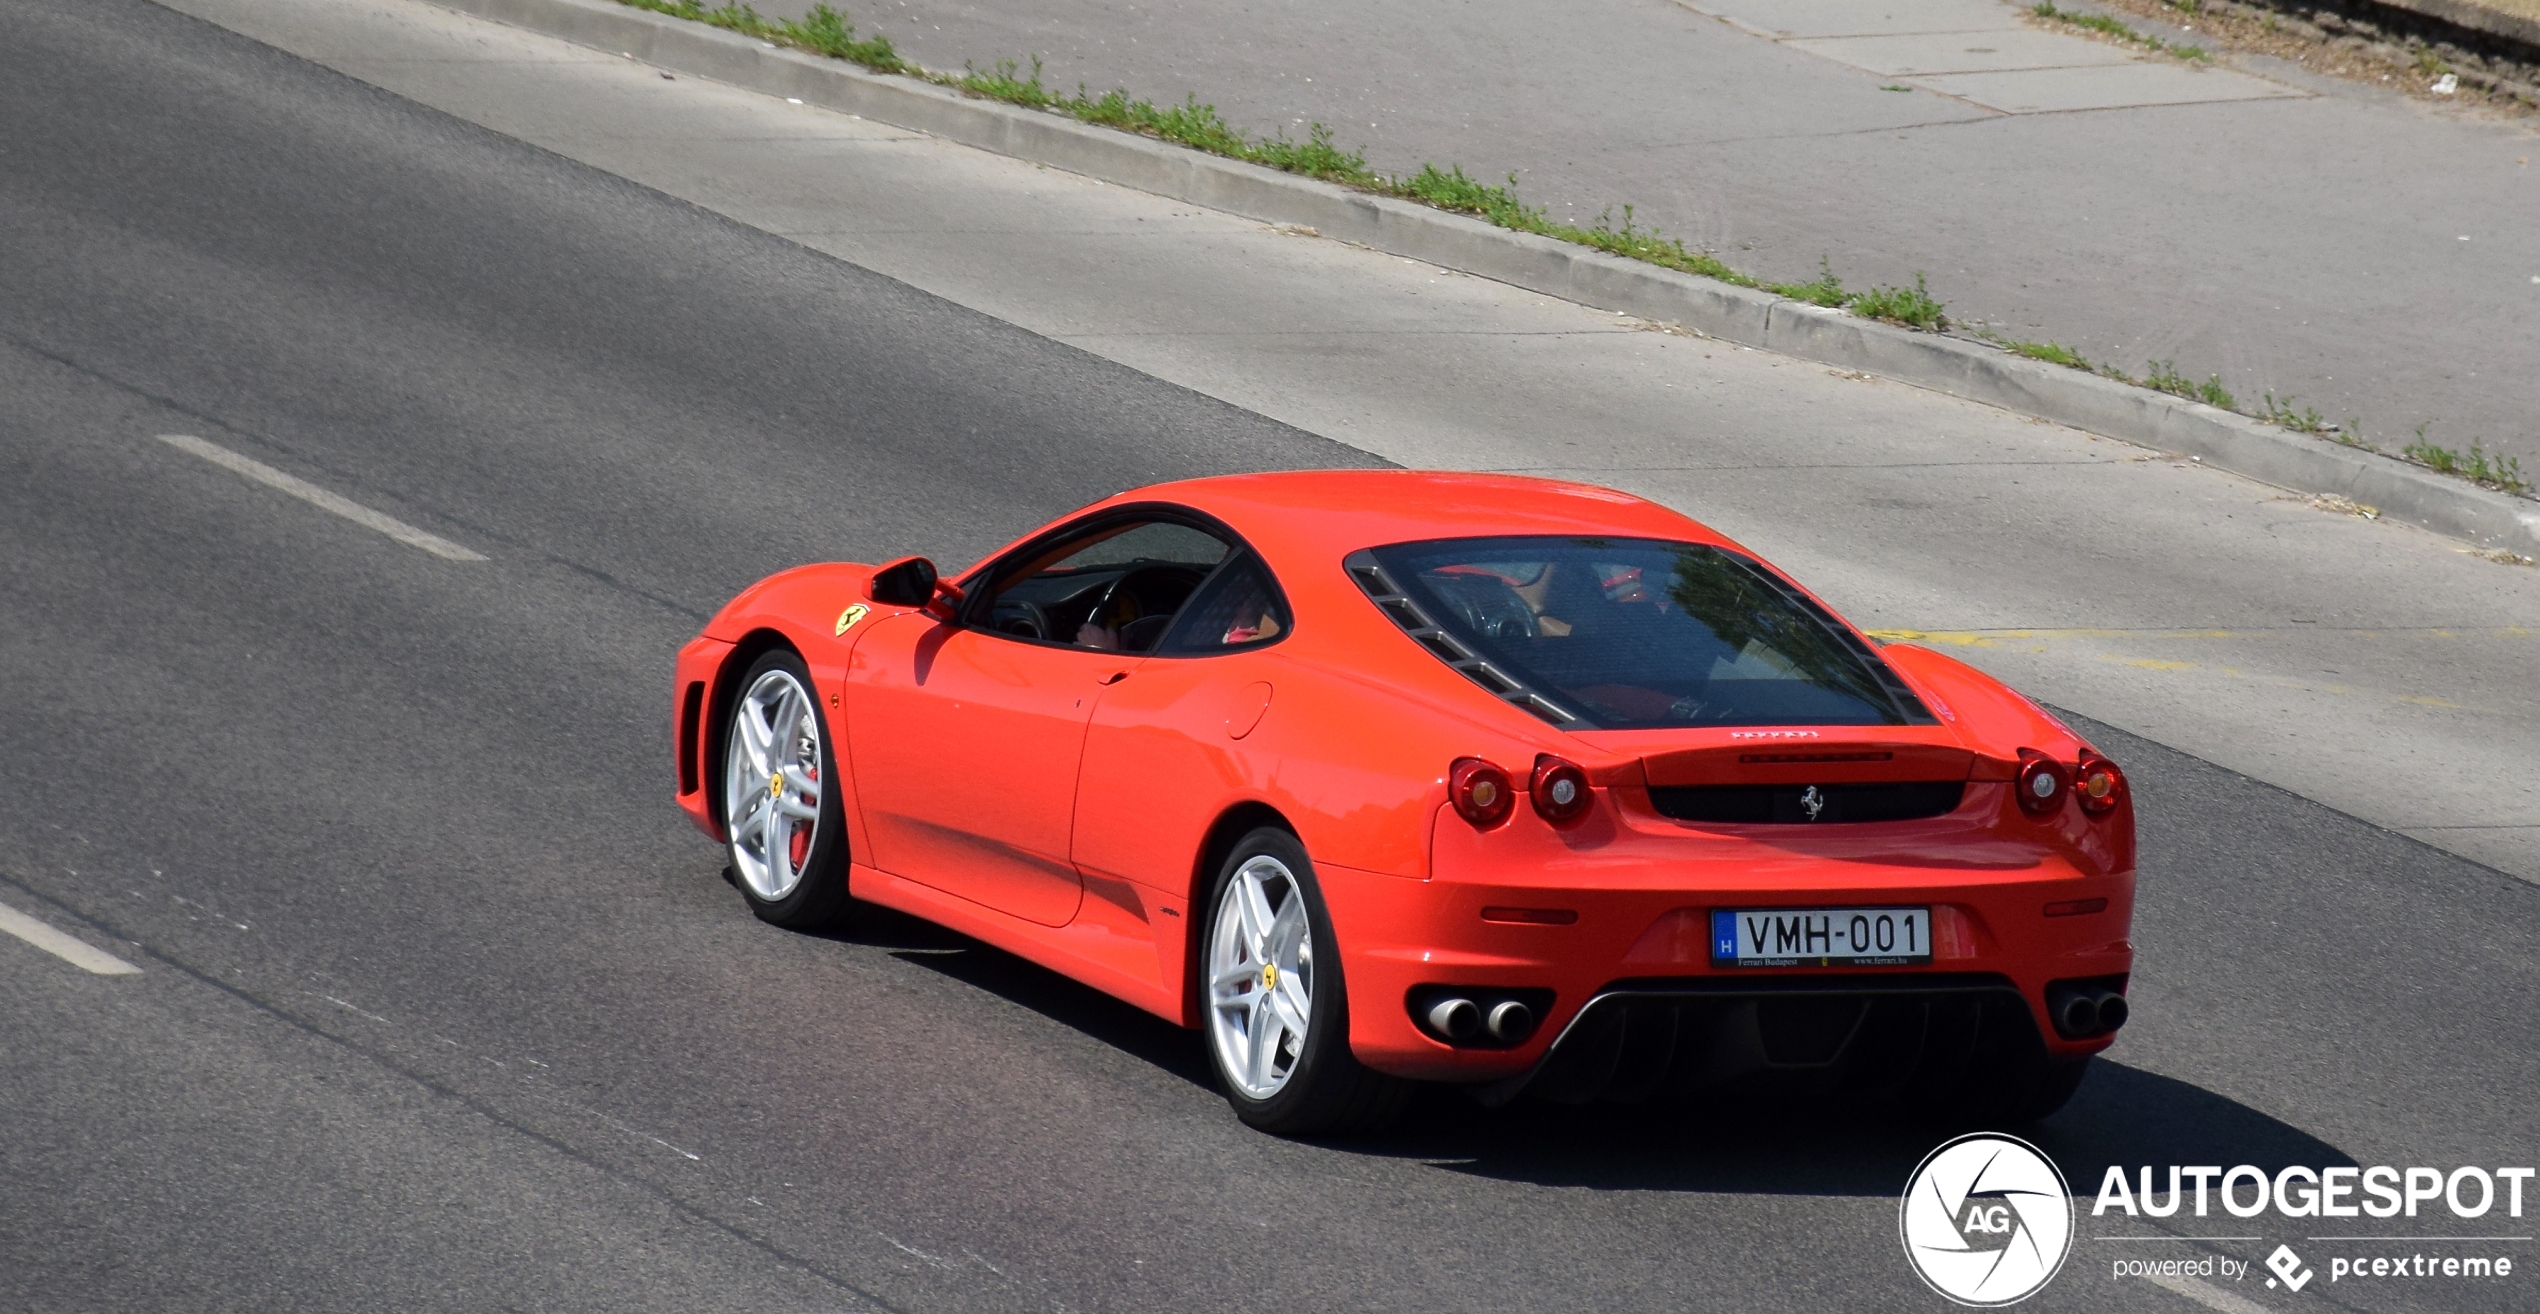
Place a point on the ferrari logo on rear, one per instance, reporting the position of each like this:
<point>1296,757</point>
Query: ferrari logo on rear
<point>848,618</point>
<point>1813,801</point>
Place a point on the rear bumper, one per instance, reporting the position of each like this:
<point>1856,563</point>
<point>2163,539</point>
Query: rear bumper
<point>1629,923</point>
<point>1910,1038</point>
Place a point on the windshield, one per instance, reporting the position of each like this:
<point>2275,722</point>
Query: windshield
<point>1632,634</point>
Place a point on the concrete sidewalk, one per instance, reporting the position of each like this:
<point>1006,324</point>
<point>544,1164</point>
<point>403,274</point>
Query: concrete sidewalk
<point>2367,665</point>
<point>2366,255</point>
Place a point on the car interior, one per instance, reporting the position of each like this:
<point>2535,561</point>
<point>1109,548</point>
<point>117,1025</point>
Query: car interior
<point>1118,587</point>
<point>1645,634</point>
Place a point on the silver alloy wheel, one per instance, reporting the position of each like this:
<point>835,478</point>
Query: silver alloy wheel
<point>1260,977</point>
<point>771,785</point>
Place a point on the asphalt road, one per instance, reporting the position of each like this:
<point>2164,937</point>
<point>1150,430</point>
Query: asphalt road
<point>443,1005</point>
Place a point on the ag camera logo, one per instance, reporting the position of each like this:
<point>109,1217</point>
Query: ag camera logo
<point>1987,1220</point>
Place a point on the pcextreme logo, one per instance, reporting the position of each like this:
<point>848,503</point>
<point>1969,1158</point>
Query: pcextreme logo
<point>1987,1220</point>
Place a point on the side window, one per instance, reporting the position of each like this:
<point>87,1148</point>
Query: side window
<point>1115,587</point>
<point>1240,607</point>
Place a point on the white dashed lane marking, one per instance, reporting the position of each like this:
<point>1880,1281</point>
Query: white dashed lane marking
<point>78,953</point>
<point>320,498</point>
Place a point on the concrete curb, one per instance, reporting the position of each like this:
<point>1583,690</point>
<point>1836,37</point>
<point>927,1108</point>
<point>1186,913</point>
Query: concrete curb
<point>1961,368</point>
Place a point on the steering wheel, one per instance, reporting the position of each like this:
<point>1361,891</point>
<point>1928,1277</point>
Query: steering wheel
<point>1497,613</point>
<point>1132,584</point>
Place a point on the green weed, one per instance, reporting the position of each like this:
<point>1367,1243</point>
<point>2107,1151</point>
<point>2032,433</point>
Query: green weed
<point>2162,375</point>
<point>2101,23</point>
<point>1643,244</point>
<point>823,31</point>
<point>1826,290</point>
<point>2053,353</point>
<point>1910,306</point>
<point>1189,123</point>
<point>2503,472</point>
<point>1002,84</point>
<point>2305,420</point>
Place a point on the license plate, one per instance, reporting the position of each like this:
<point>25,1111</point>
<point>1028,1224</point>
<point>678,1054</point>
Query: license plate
<point>1820,937</point>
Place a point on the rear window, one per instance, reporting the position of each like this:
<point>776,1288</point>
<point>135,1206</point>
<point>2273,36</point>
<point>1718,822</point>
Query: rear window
<point>1632,634</point>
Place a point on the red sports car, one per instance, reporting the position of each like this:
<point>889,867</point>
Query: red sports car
<point>1388,777</point>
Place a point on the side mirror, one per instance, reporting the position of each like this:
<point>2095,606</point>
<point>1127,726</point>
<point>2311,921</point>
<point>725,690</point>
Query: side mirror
<point>907,582</point>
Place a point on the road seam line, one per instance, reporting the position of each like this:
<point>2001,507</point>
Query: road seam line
<point>320,498</point>
<point>78,953</point>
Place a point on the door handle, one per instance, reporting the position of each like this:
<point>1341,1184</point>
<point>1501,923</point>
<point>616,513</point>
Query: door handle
<point>1114,678</point>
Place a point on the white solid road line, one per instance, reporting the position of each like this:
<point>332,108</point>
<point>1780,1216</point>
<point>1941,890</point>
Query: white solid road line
<point>2210,1296</point>
<point>320,498</point>
<point>78,953</point>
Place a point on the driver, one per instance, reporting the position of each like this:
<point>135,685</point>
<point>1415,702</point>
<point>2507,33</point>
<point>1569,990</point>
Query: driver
<point>1102,629</point>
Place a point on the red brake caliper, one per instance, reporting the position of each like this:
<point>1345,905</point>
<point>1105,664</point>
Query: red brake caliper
<point>799,845</point>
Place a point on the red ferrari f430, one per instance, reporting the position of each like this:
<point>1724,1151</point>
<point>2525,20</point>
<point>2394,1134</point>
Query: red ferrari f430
<point>1379,778</point>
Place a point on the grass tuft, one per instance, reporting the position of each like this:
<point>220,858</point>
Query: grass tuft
<point>2103,24</point>
<point>1913,306</point>
<point>2053,353</point>
<point>823,31</point>
<point>1826,290</point>
<point>2305,420</point>
<point>2503,473</point>
<point>2162,375</point>
<point>1000,83</point>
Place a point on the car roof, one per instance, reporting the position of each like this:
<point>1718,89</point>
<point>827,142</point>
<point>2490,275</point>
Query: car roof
<point>1317,513</point>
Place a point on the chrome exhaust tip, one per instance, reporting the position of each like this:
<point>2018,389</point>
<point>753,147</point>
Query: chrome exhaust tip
<point>1455,1018</point>
<point>1511,1022</point>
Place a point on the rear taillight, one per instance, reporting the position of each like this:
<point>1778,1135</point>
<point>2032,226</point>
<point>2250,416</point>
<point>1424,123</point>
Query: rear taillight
<point>2041,783</point>
<point>1559,790</point>
<point>1482,793</point>
<point>2099,785</point>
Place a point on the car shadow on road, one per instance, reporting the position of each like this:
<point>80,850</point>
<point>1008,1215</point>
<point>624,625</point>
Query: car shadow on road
<point>1124,1027</point>
<point>2122,1116</point>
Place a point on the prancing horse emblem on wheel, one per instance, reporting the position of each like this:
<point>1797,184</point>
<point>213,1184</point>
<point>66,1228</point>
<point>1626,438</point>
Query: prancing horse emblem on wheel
<point>776,787</point>
<point>1812,800</point>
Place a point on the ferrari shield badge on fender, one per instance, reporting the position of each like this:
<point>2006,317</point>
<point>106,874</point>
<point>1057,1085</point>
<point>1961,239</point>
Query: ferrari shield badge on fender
<point>854,612</point>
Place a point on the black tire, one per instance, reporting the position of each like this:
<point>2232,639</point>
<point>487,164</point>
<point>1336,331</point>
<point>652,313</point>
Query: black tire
<point>1326,1090</point>
<point>819,899</point>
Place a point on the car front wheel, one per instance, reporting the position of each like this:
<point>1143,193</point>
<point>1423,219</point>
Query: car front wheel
<point>783,820</point>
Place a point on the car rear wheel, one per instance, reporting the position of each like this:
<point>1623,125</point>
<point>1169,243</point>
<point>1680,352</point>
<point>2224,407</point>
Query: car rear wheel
<point>783,819</point>
<point>1276,1011</point>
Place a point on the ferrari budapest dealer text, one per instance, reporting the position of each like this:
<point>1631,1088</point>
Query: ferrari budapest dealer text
<point>1987,1219</point>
